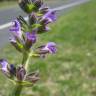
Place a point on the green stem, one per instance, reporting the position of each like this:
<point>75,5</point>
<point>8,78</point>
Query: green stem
<point>16,90</point>
<point>27,61</point>
<point>25,57</point>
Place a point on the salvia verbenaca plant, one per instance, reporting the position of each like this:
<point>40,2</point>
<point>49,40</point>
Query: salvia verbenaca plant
<point>24,36</point>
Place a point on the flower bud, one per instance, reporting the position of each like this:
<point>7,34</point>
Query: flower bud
<point>23,23</point>
<point>30,5</point>
<point>30,39</point>
<point>45,49</point>
<point>12,70</point>
<point>26,6</point>
<point>32,19</point>
<point>33,77</point>
<point>15,44</point>
<point>20,73</point>
<point>43,29</point>
<point>43,10</point>
<point>38,4</point>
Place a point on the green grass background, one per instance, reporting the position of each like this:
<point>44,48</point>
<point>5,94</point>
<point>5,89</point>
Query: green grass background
<point>72,71</point>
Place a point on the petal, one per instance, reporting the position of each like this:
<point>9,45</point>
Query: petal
<point>16,29</point>
<point>31,36</point>
<point>30,39</point>
<point>50,15</point>
<point>51,47</point>
<point>4,65</point>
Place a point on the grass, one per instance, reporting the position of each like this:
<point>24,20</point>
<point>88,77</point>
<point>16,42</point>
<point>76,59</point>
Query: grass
<point>72,71</point>
<point>7,4</point>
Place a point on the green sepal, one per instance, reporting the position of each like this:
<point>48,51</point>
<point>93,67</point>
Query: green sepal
<point>20,45</point>
<point>34,26</point>
<point>39,14</point>
<point>25,83</point>
<point>23,23</point>
<point>21,83</point>
<point>35,55</point>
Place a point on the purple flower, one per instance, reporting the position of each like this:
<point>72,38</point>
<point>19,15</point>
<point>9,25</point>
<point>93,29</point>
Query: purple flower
<point>16,29</point>
<point>4,65</point>
<point>50,47</point>
<point>30,39</point>
<point>50,16</point>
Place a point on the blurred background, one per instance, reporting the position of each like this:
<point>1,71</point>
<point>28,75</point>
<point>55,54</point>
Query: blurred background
<point>72,70</point>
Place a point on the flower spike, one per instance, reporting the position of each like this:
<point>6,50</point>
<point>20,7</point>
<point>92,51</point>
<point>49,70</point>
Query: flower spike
<point>24,36</point>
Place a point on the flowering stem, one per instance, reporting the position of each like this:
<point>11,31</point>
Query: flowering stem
<point>25,57</point>
<point>27,61</point>
<point>16,90</point>
<point>18,87</point>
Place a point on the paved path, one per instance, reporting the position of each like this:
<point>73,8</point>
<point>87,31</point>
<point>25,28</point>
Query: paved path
<point>11,13</point>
